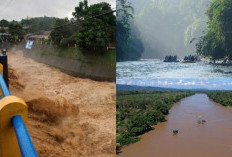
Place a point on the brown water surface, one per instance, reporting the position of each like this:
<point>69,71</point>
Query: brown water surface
<point>68,116</point>
<point>212,139</point>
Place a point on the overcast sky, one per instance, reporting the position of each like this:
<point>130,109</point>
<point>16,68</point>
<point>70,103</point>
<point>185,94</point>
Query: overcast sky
<point>18,9</point>
<point>209,84</point>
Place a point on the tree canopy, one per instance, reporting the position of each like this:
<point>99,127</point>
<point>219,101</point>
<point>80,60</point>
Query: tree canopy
<point>4,23</point>
<point>38,24</point>
<point>16,29</point>
<point>129,44</point>
<point>61,32</point>
<point>95,34</point>
<point>216,44</point>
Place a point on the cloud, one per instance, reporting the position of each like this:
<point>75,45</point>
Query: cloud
<point>18,9</point>
<point>201,83</point>
<point>189,83</point>
<point>210,84</point>
<point>179,82</point>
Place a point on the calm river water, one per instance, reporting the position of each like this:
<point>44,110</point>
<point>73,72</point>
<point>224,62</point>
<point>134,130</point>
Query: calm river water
<point>212,139</point>
<point>159,69</point>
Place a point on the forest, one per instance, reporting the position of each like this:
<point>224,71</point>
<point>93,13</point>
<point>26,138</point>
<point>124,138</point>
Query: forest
<point>178,27</point>
<point>129,42</point>
<point>138,111</point>
<point>154,29</point>
<point>216,42</point>
<point>170,27</point>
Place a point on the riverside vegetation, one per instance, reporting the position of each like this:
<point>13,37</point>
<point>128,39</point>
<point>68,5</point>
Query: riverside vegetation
<point>216,42</point>
<point>221,97</point>
<point>138,111</point>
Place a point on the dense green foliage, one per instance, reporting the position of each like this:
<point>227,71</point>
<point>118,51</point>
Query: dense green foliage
<point>4,23</point>
<point>62,33</point>
<point>221,97</point>
<point>16,30</point>
<point>95,34</point>
<point>38,24</point>
<point>34,25</point>
<point>129,44</point>
<point>216,44</point>
<point>137,111</point>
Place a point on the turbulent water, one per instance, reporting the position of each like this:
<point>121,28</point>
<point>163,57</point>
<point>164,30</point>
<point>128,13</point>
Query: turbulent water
<point>68,116</point>
<point>212,139</point>
<point>160,69</point>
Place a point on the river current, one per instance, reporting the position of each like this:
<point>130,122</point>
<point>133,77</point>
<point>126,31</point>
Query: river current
<point>159,69</point>
<point>212,139</point>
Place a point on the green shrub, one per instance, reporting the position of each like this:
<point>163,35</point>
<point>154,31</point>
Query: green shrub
<point>154,116</point>
<point>162,108</point>
<point>138,125</point>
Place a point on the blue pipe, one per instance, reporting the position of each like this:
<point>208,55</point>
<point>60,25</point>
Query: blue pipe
<point>25,144</point>
<point>4,88</point>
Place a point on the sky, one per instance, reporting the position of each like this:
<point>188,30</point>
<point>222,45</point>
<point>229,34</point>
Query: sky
<point>18,9</point>
<point>209,84</point>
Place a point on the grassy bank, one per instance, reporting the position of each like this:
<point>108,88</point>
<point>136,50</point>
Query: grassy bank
<point>108,58</point>
<point>138,111</point>
<point>221,97</point>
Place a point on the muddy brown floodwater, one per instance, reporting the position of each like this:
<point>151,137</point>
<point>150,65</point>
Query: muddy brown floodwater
<point>68,116</point>
<point>212,139</point>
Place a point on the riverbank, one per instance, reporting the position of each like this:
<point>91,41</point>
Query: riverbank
<point>138,111</point>
<point>100,67</point>
<point>211,139</point>
<point>221,97</point>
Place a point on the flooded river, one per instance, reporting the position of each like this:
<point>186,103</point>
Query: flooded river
<point>68,116</point>
<point>212,139</point>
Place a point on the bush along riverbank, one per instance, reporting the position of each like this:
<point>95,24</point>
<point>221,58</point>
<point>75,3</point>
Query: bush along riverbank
<point>221,97</point>
<point>138,111</point>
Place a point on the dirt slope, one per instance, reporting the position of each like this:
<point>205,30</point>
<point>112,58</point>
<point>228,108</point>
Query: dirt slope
<point>68,116</point>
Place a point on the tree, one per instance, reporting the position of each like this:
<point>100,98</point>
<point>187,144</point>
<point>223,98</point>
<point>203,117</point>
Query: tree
<point>61,32</point>
<point>4,23</point>
<point>2,30</point>
<point>95,34</point>
<point>16,29</point>
<point>129,44</point>
<point>153,116</point>
<point>162,108</point>
<point>80,11</point>
<point>216,44</point>
<point>38,24</point>
<point>124,15</point>
<point>138,125</point>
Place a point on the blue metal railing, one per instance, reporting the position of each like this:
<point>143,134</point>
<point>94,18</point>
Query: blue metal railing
<point>4,88</point>
<point>26,147</point>
<point>25,144</point>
